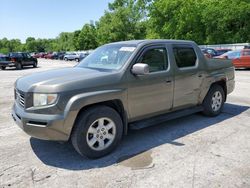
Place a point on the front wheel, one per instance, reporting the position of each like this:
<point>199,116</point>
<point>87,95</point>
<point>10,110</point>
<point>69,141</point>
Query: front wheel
<point>3,68</point>
<point>97,132</point>
<point>214,101</point>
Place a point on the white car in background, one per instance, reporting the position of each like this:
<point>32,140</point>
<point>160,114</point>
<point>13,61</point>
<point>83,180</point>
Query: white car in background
<point>76,56</point>
<point>69,56</point>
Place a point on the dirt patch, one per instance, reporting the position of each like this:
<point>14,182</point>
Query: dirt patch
<point>137,161</point>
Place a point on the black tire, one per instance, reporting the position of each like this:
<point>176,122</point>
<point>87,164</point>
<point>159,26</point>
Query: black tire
<point>35,64</point>
<point>77,59</point>
<point>208,101</point>
<point>66,59</point>
<point>3,68</point>
<point>19,66</point>
<point>82,125</point>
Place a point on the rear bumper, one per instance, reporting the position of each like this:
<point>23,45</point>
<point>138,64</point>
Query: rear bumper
<point>45,127</point>
<point>7,64</point>
<point>230,86</point>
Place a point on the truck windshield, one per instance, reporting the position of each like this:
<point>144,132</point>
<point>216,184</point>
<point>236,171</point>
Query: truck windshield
<point>111,57</point>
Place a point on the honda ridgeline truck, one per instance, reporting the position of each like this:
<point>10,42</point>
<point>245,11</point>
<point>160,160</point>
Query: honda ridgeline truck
<point>120,85</point>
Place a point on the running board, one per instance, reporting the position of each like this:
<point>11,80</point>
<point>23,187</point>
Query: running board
<point>163,118</point>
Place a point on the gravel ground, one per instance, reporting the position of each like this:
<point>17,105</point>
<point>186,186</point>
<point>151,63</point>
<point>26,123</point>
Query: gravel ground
<point>193,151</point>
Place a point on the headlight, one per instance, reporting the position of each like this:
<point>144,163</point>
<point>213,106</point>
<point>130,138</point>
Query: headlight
<point>44,99</point>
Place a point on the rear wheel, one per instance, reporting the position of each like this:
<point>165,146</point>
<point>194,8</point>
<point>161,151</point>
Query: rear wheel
<point>35,64</point>
<point>214,101</point>
<point>97,132</point>
<point>66,59</point>
<point>77,59</point>
<point>3,68</point>
<point>18,66</point>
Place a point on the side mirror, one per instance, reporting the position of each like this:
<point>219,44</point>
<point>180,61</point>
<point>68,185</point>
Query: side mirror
<point>140,69</point>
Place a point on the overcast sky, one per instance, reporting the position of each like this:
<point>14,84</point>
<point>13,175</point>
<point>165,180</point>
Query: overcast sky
<point>46,18</point>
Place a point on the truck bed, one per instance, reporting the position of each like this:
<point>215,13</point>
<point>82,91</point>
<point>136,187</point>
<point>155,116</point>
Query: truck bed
<point>214,64</point>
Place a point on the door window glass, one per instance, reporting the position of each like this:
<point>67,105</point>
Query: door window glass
<point>185,56</point>
<point>156,59</point>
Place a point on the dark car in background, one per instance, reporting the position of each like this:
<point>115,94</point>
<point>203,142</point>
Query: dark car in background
<point>82,56</point>
<point>5,62</point>
<point>209,52</point>
<point>60,55</point>
<point>222,51</point>
<point>18,60</point>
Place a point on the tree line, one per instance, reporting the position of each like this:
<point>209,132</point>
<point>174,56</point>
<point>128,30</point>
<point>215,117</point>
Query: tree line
<point>204,21</point>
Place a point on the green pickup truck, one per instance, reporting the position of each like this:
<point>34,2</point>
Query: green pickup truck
<point>131,84</point>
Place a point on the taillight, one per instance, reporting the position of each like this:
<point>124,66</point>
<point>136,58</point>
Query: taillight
<point>13,59</point>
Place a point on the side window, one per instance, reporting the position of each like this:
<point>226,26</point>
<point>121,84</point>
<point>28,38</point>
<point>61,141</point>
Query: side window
<point>156,59</point>
<point>184,56</point>
<point>234,55</point>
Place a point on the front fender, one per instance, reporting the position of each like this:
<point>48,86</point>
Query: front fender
<point>77,102</point>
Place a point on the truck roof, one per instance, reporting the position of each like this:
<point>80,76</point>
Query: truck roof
<point>150,41</point>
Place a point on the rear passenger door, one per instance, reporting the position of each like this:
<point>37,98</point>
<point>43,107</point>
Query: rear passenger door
<point>30,60</point>
<point>188,76</point>
<point>26,59</point>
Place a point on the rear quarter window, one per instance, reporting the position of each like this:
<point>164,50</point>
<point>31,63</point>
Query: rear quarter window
<point>185,56</point>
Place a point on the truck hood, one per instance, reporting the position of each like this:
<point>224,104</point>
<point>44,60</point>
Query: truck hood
<point>63,80</point>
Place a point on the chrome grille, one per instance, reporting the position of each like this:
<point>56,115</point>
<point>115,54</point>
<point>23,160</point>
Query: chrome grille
<point>20,98</point>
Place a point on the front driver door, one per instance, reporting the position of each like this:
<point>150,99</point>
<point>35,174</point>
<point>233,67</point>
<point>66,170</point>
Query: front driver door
<point>151,94</point>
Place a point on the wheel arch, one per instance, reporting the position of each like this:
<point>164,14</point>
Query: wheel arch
<point>223,84</point>
<point>116,104</point>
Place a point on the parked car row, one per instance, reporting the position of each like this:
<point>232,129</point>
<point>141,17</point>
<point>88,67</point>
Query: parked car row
<point>67,56</point>
<point>240,58</point>
<point>21,59</point>
<point>50,55</point>
<point>210,52</point>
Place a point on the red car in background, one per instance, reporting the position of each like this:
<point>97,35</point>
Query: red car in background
<point>48,55</point>
<point>39,55</point>
<point>240,58</point>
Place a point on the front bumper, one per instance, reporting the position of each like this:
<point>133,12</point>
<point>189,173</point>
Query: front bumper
<point>42,126</point>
